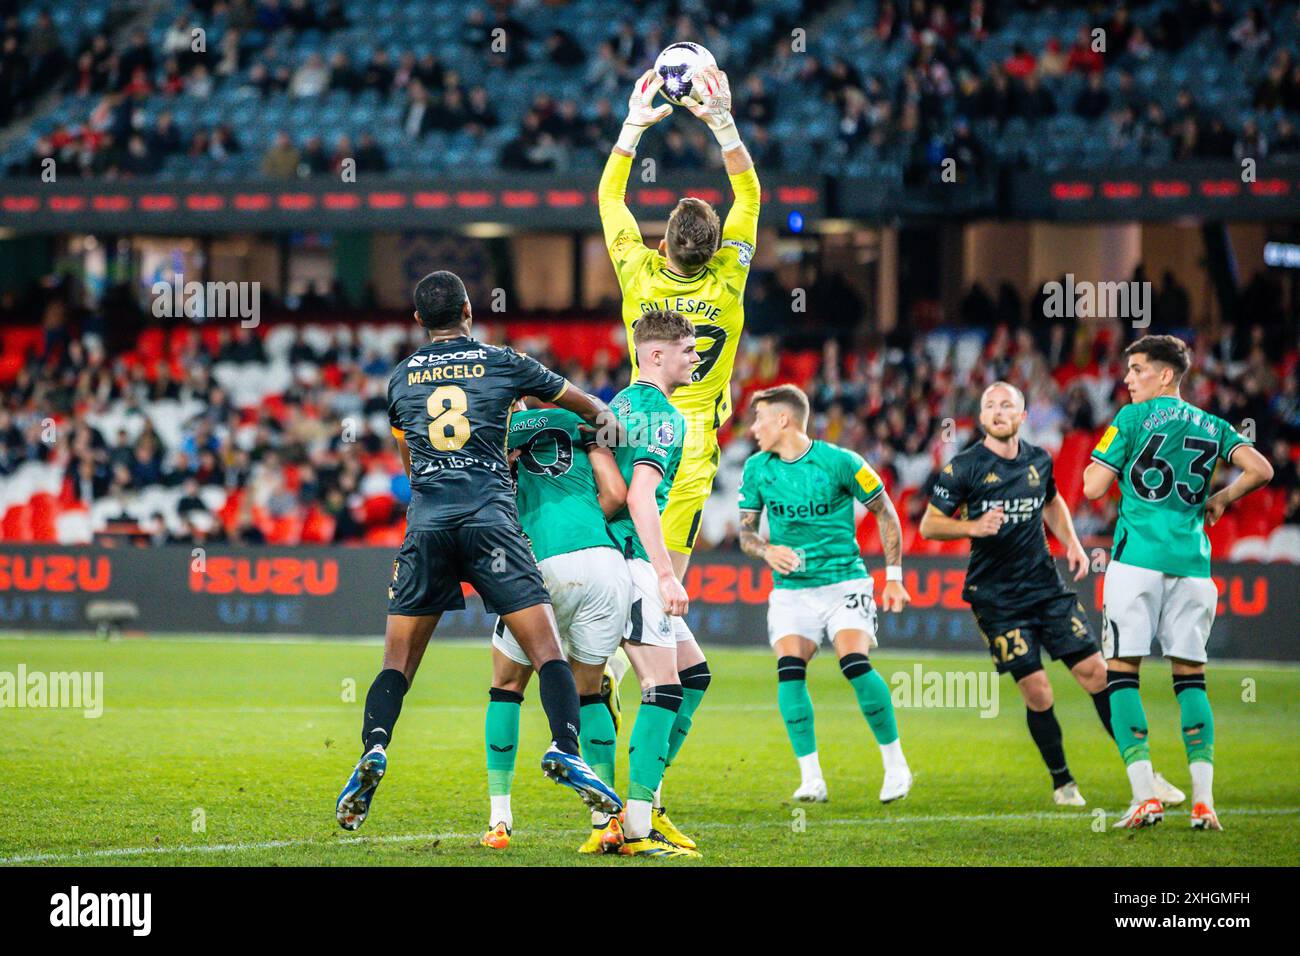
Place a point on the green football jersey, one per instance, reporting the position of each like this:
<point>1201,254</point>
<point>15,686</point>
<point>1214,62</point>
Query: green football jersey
<point>655,434</point>
<point>809,503</point>
<point>1164,452</point>
<point>555,486</point>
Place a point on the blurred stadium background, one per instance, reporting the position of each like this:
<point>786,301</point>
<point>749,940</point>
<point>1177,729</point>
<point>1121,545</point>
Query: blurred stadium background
<point>889,290</point>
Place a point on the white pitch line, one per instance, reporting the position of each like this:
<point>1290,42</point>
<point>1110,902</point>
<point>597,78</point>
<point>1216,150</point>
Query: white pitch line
<point>1048,816</point>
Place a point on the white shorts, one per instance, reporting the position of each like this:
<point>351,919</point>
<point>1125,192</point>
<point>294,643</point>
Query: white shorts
<point>647,622</point>
<point>822,612</point>
<point>590,594</point>
<point>1142,605</point>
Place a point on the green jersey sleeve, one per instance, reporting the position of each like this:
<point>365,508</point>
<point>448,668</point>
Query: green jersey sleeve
<point>1113,448</point>
<point>860,479</point>
<point>1229,439</point>
<point>751,497</point>
<point>655,442</point>
<point>949,489</point>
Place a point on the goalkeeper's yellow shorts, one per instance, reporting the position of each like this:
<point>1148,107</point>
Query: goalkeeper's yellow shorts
<point>691,487</point>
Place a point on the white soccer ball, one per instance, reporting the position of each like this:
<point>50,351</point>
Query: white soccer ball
<point>678,64</point>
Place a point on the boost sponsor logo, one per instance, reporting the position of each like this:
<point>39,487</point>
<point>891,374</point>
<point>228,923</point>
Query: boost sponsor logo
<point>54,572</point>
<point>289,576</point>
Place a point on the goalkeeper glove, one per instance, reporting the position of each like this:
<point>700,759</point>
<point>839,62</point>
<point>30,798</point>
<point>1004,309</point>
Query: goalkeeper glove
<point>711,102</point>
<point>641,115</point>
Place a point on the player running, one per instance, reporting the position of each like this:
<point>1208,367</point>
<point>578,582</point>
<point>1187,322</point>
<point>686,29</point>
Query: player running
<point>448,404</point>
<point>821,589</point>
<point>649,461</point>
<point>1158,584</point>
<point>699,270</point>
<point>567,486</point>
<point>999,493</point>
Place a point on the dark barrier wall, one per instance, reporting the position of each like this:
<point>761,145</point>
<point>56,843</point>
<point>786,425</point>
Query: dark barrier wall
<point>343,591</point>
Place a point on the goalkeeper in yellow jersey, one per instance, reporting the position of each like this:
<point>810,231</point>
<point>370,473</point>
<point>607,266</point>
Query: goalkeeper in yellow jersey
<point>699,272</point>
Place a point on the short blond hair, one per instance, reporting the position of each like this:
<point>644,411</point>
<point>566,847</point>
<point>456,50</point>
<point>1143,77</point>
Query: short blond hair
<point>1009,387</point>
<point>791,396</point>
<point>661,325</point>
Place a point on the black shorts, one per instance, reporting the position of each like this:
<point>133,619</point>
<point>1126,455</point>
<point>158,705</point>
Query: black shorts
<point>1016,638</point>
<point>496,559</point>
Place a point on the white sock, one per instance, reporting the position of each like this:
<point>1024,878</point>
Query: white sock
<point>501,811</point>
<point>658,801</point>
<point>1143,780</point>
<point>1202,782</point>
<point>891,755</point>
<point>637,820</point>
<point>810,767</point>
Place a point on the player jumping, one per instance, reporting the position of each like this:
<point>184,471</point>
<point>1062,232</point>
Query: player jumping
<point>567,486</point>
<point>1000,492</point>
<point>699,270</point>
<point>1158,584</point>
<point>650,460</point>
<point>448,404</point>
<point>821,589</point>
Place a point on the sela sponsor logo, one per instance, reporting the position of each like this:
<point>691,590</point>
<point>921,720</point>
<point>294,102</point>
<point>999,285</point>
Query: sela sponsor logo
<point>60,690</point>
<point>54,572</point>
<point>286,576</point>
<point>73,909</point>
<point>805,509</point>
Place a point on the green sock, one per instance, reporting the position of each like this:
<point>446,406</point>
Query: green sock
<point>795,704</point>
<point>873,697</point>
<point>695,681</point>
<point>598,737</point>
<point>1197,718</point>
<point>648,748</point>
<point>502,739</point>
<point>1127,717</point>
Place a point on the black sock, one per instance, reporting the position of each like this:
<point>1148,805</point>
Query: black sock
<point>560,701</point>
<point>1047,735</point>
<point>383,704</point>
<point>1101,700</point>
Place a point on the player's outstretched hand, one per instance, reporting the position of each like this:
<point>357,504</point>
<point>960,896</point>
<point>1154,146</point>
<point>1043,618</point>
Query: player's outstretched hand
<point>673,594</point>
<point>711,99</point>
<point>1215,505</point>
<point>894,597</point>
<point>782,559</point>
<point>988,524</point>
<point>640,105</point>
<point>1077,559</point>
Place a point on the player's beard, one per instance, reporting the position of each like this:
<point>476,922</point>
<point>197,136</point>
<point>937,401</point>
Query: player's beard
<point>1003,432</point>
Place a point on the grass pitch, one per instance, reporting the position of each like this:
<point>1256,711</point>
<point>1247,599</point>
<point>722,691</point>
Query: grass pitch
<point>217,753</point>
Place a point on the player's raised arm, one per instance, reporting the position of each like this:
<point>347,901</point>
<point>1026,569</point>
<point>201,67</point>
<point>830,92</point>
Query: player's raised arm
<point>622,234</point>
<point>713,107</point>
<point>609,432</point>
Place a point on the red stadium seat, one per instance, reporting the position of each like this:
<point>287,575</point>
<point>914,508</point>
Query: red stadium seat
<point>318,527</point>
<point>377,510</point>
<point>16,524</point>
<point>1224,534</point>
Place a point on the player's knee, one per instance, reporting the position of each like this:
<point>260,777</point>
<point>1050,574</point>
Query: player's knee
<point>696,677</point>
<point>1036,690</point>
